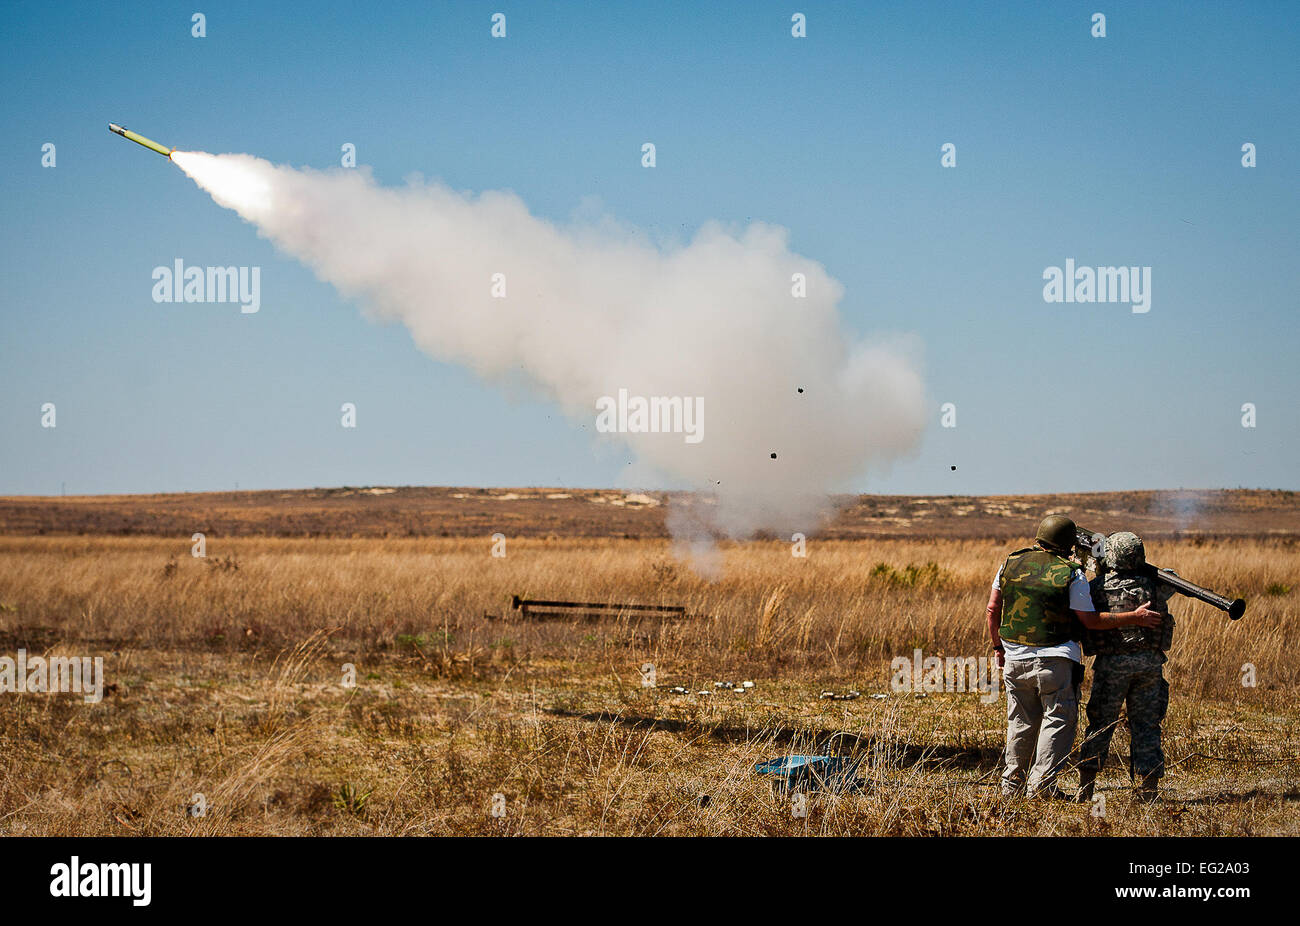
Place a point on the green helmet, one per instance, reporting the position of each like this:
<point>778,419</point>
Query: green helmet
<point>1057,532</point>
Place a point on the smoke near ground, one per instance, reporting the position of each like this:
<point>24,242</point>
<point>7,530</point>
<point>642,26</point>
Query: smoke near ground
<point>1183,507</point>
<point>594,308</point>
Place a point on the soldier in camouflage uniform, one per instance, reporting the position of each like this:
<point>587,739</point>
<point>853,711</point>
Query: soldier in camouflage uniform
<point>1039,606</point>
<point>1128,669</point>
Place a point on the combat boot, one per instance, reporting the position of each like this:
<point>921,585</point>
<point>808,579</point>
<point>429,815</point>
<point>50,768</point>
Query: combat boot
<point>1050,793</point>
<point>1087,782</point>
<point>1149,791</point>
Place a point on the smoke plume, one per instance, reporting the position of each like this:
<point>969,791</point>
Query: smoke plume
<point>592,308</point>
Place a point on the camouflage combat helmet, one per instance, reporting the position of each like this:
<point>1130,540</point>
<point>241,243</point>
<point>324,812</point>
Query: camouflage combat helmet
<point>1057,532</point>
<point>1124,551</point>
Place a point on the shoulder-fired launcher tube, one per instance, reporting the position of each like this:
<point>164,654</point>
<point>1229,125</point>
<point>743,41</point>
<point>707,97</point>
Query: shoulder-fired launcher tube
<point>1235,607</point>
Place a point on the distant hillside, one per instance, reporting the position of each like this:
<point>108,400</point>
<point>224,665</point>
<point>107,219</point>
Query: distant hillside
<point>453,512</point>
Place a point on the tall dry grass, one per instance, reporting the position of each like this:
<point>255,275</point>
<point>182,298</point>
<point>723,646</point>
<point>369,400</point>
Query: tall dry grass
<point>225,676</point>
<point>845,606</point>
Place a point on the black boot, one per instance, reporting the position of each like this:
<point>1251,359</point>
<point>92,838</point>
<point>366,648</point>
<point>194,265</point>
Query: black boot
<point>1087,782</point>
<point>1149,791</point>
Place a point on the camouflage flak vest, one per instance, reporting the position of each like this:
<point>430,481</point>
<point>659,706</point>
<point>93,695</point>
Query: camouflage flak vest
<point>1036,599</point>
<point>1121,590</point>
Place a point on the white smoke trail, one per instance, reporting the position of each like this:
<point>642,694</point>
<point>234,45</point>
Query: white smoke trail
<point>594,308</point>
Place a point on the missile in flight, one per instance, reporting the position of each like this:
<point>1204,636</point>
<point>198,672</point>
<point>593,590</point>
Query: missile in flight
<point>141,140</point>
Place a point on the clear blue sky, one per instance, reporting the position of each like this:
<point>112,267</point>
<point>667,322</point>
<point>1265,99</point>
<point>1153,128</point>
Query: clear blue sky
<point>1122,150</point>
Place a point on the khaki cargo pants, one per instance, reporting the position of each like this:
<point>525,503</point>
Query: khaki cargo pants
<point>1042,714</point>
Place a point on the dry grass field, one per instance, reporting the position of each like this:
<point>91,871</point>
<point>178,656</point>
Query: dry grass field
<point>226,675</point>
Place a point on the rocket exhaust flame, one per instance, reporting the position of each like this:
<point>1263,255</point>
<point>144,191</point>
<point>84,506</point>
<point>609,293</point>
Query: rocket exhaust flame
<point>798,407</point>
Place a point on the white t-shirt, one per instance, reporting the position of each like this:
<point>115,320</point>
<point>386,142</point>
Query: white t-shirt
<point>1080,600</point>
